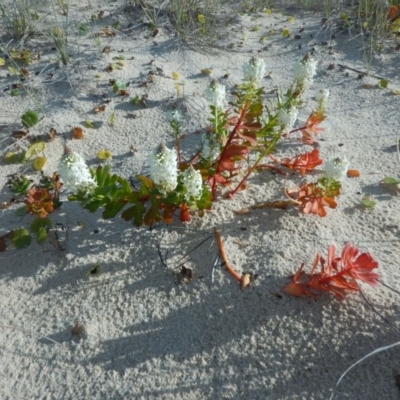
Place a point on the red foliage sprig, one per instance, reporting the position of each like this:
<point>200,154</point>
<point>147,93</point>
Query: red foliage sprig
<point>39,201</point>
<point>337,275</point>
<point>303,162</point>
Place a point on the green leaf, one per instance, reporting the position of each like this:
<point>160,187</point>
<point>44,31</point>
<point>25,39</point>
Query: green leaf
<point>285,33</point>
<point>104,154</point>
<point>12,158</point>
<point>83,29</point>
<point>2,61</point>
<point>112,119</point>
<point>89,124</point>
<point>39,223</point>
<point>39,226</point>
<point>101,174</point>
<point>136,100</point>
<point>116,25</point>
<point>383,83</point>
<point>201,18</point>
<point>368,202</point>
<point>118,85</point>
<point>112,209</point>
<point>21,238</point>
<point>14,92</point>
<point>94,269</point>
<point>34,148</point>
<point>388,180</point>
<point>29,119</point>
<point>120,57</point>
<point>38,163</point>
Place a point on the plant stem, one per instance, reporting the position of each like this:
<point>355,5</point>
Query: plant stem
<point>225,262</point>
<point>230,138</point>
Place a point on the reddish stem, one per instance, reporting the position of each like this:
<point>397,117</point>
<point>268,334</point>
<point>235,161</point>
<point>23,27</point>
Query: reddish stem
<point>228,267</point>
<point>231,137</point>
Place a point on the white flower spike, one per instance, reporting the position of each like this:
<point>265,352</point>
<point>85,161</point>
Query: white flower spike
<point>336,167</point>
<point>163,168</point>
<point>215,94</point>
<point>254,69</point>
<point>75,173</point>
<point>322,96</point>
<point>304,71</point>
<point>193,183</point>
<point>174,115</point>
<point>287,118</point>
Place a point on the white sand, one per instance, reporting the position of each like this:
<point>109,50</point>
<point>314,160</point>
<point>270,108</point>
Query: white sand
<point>148,337</point>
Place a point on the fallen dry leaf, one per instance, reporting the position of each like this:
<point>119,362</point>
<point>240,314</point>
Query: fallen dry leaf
<point>77,132</point>
<point>100,109</point>
<point>353,173</point>
<point>20,133</point>
<point>51,135</point>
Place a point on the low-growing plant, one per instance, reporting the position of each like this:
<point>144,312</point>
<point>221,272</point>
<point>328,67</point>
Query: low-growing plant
<point>19,17</point>
<point>235,145</point>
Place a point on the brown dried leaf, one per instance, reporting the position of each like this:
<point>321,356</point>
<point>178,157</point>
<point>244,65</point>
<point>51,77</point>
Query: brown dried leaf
<point>243,211</point>
<point>282,204</point>
<point>20,133</point>
<point>133,148</point>
<point>100,109</point>
<point>100,15</point>
<point>123,92</point>
<point>185,275</point>
<point>51,135</point>
<point>106,32</point>
<point>24,71</point>
<point>106,50</point>
<point>77,132</point>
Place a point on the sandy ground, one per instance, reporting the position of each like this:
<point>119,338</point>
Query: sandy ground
<point>147,336</point>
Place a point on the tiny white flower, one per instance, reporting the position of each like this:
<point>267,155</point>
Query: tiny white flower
<point>254,69</point>
<point>322,95</point>
<point>173,115</point>
<point>163,168</point>
<point>336,167</point>
<point>210,147</point>
<point>304,71</point>
<point>75,173</point>
<point>215,94</point>
<point>193,182</point>
<point>287,118</point>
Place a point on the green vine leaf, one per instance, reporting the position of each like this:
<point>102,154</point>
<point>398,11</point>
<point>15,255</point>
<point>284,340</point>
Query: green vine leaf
<point>21,238</point>
<point>29,119</point>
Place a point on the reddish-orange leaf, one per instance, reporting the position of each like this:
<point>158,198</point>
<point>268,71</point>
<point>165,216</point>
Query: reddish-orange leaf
<point>77,132</point>
<point>303,162</point>
<point>353,173</point>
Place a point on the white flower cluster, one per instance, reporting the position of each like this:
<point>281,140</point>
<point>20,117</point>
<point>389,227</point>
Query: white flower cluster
<point>210,147</point>
<point>163,168</point>
<point>215,94</point>
<point>192,181</point>
<point>287,118</point>
<point>304,71</point>
<point>254,69</point>
<point>336,167</point>
<point>173,115</point>
<point>75,173</point>
<point>322,97</point>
